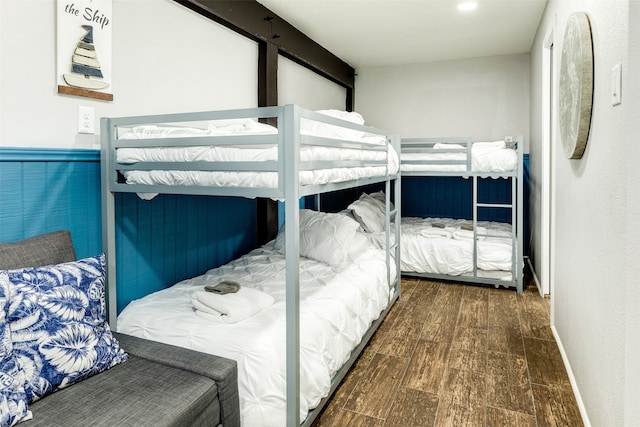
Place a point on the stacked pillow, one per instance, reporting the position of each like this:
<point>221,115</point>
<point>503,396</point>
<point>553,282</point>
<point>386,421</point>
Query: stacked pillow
<point>325,237</point>
<point>370,211</point>
<point>53,332</point>
<point>335,238</point>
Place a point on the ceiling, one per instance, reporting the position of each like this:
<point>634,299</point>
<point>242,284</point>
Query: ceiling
<point>374,33</point>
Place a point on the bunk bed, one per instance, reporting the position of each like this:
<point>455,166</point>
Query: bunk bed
<point>307,154</point>
<point>468,249</point>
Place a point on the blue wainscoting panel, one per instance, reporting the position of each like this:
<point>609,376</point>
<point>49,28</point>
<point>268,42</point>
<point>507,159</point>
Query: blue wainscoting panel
<point>170,238</point>
<point>451,197</point>
<point>43,190</point>
<point>159,242</point>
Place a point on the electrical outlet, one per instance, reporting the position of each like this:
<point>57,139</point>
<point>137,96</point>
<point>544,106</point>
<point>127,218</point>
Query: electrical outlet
<point>508,139</point>
<point>86,120</point>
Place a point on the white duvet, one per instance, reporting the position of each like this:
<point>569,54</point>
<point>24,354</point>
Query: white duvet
<point>254,179</point>
<point>449,250</point>
<point>485,157</point>
<point>253,153</point>
<point>335,311</point>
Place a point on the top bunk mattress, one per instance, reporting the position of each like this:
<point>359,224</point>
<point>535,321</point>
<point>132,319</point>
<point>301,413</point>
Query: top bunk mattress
<point>246,153</point>
<point>485,157</point>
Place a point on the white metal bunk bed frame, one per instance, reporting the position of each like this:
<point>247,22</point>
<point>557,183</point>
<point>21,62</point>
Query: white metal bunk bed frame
<point>426,145</point>
<point>288,166</point>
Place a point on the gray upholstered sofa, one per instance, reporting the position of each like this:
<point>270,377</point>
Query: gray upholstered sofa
<point>159,384</point>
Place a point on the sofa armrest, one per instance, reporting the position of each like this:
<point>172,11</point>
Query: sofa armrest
<point>222,370</point>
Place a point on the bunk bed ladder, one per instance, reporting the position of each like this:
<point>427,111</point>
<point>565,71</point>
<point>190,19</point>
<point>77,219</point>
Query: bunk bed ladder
<point>513,207</point>
<point>516,207</point>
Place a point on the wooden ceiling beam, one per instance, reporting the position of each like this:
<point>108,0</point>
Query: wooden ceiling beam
<point>255,21</point>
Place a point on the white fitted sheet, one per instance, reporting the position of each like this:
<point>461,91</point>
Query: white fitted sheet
<point>336,309</point>
<point>420,252</point>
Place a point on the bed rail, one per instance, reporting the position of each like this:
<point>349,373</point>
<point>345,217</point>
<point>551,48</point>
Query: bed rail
<point>421,155</point>
<point>287,166</point>
<point>446,156</point>
<point>289,138</point>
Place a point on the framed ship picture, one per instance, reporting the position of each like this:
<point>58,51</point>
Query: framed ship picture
<point>84,66</point>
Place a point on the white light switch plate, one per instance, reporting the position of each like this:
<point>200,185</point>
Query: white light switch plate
<point>616,84</point>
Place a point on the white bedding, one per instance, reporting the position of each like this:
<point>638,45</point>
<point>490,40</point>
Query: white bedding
<point>335,311</point>
<point>485,157</point>
<point>251,153</point>
<point>449,250</point>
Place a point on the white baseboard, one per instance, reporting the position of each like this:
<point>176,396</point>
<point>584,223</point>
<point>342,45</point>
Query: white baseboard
<point>535,277</point>
<point>572,379</point>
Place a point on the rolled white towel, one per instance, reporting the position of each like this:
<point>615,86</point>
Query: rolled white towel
<point>435,232</point>
<point>233,307</point>
<point>468,234</point>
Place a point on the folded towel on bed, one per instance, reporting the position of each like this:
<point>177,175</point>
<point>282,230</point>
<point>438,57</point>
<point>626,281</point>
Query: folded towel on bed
<point>435,232</point>
<point>468,234</point>
<point>466,226</point>
<point>230,308</point>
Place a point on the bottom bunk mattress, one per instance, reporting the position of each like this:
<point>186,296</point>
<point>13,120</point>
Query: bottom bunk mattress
<point>445,246</point>
<point>337,306</point>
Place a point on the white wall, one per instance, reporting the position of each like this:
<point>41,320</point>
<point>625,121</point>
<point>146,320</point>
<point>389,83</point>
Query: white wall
<point>536,154</point>
<point>301,86</point>
<point>166,58</point>
<point>595,299</point>
<point>486,98</point>
<point>631,91</point>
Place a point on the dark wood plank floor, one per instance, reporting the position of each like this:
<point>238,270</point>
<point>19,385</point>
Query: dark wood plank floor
<point>458,355</point>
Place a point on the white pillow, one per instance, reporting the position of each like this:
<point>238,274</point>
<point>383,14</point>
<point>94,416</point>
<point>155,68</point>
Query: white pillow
<point>331,131</point>
<point>350,116</point>
<point>325,237</point>
<point>382,198</point>
<point>361,242</point>
<point>369,212</point>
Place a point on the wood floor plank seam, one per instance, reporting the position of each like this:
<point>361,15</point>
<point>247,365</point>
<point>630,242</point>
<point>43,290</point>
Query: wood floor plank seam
<point>400,382</point>
<point>533,397</point>
<point>461,365</point>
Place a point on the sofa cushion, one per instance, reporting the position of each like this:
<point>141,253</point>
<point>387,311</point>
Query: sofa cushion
<point>58,325</point>
<point>220,369</point>
<point>136,393</point>
<point>13,399</point>
<point>45,249</point>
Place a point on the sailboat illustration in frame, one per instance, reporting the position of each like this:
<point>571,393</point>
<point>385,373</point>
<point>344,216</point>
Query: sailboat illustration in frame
<point>85,67</point>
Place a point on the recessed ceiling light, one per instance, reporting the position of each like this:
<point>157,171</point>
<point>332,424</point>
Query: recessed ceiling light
<point>467,6</point>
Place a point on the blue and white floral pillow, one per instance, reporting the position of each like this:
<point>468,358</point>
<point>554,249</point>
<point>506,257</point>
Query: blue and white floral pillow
<point>13,399</point>
<point>57,317</point>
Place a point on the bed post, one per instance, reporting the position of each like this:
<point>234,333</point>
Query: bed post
<point>289,130</point>
<point>520,220</point>
<point>398,215</point>
<point>108,221</point>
